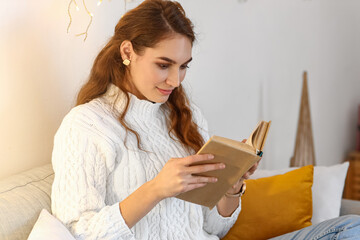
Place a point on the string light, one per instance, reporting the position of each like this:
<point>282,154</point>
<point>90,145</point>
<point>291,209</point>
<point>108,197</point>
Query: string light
<point>77,8</point>
<point>91,15</point>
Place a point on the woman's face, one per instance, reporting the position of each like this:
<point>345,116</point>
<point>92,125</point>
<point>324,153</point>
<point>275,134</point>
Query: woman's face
<point>159,70</point>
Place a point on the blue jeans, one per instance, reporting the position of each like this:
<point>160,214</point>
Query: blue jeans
<point>344,227</point>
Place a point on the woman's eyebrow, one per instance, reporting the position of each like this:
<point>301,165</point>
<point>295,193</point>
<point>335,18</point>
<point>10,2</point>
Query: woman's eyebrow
<point>172,61</point>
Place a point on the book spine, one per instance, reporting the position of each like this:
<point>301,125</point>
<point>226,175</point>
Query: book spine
<point>358,132</point>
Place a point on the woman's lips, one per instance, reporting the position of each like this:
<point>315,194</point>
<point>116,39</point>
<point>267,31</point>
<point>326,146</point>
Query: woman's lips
<point>165,92</point>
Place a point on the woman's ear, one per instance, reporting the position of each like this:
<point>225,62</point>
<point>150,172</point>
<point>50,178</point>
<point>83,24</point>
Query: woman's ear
<point>126,50</point>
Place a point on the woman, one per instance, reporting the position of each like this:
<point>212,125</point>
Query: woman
<point>123,154</point>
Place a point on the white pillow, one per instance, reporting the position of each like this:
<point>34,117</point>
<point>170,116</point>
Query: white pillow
<point>327,189</point>
<point>48,227</point>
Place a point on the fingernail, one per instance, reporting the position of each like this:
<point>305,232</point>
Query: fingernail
<point>210,156</point>
<point>222,165</point>
<point>215,180</point>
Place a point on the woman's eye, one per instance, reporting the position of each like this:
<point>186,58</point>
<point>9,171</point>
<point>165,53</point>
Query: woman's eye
<point>184,66</point>
<point>163,66</point>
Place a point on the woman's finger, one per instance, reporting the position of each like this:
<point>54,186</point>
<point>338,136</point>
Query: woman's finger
<point>205,168</point>
<point>246,175</point>
<point>201,179</point>
<point>195,159</point>
<point>253,168</point>
<point>195,185</point>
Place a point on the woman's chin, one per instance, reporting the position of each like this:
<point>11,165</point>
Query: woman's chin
<point>162,99</point>
<point>158,99</point>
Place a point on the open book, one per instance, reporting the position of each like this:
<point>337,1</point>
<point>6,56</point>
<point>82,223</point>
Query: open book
<point>238,157</point>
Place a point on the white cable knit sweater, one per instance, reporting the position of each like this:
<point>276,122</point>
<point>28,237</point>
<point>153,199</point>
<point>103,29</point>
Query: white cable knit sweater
<point>94,171</point>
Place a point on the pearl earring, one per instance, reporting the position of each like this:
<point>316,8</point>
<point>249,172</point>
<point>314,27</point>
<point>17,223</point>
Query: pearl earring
<point>126,62</point>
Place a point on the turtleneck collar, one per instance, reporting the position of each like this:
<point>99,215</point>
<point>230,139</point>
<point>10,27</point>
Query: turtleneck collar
<point>142,108</point>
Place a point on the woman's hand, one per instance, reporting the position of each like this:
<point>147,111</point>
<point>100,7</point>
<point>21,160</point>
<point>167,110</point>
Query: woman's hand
<point>177,175</point>
<point>237,186</point>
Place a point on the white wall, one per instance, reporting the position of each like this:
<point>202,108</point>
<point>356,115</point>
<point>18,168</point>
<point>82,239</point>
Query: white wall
<point>247,66</point>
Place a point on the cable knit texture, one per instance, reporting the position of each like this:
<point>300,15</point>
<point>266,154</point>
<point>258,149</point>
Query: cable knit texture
<point>95,169</point>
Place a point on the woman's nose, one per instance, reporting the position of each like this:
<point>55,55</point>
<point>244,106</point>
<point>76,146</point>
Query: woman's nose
<point>174,79</point>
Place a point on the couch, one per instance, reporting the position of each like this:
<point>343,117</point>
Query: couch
<point>24,195</point>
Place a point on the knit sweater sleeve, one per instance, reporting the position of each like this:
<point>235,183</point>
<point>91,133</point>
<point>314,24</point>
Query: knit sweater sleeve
<point>214,223</point>
<point>82,160</point>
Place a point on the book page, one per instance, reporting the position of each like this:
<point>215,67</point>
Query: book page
<point>258,136</point>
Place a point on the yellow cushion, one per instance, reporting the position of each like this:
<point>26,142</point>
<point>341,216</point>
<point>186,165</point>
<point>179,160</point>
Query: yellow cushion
<point>275,205</point>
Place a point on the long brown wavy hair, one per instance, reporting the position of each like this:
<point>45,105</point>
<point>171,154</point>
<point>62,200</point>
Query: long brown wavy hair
<point>145,26</point>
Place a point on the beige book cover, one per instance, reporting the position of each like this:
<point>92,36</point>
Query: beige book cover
<point>238,157</point>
